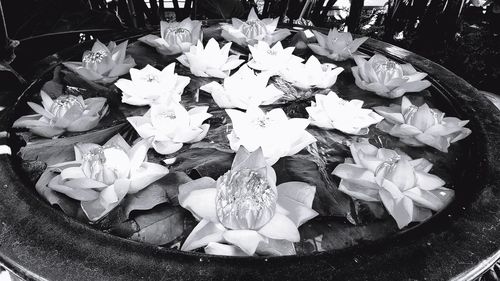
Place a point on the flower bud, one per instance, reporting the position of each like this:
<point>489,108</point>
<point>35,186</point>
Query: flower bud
<point>245,200</point>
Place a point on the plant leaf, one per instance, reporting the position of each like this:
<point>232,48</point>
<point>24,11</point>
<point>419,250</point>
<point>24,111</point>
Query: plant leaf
<point>203,162</point>
<point>165,190</point>
<point>160,225</point>
<point>69,206</point>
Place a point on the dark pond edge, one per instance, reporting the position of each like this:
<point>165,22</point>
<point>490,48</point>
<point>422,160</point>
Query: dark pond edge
<point>37,242</point>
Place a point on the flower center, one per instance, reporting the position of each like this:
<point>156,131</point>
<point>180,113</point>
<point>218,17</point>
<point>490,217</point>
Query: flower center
<point>272,52</point>
<point>387,166</point>
<point>245,200</point>
<point>63,103</point>
<point>178,35</point>
<point>410,113</point>
<point>168,115</point>
<point>95,57</point>
<point>253,29</point>
<point>151,78</point>
<point>105,164</point>
<point>262,121</point>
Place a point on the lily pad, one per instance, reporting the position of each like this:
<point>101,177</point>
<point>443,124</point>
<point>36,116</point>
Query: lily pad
<point>329,201</point>
<point>203,162</point>
<point>158,226</point>
<point>165,190</point>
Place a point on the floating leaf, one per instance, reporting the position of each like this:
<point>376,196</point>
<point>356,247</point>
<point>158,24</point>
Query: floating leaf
<point>328,200</point>
<point>160,225</point>
<point>203,162</point>
<point>165,190</point>
<point>69,206</point>
<point>53,151</point>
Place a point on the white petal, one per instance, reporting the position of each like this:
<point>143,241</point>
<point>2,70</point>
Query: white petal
<point>281,227</point>
<point>204,233</point>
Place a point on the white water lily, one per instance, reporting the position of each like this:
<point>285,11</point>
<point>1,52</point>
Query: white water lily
<point>103,63</point>
<point>171,125</point>
<point>244,212</point>
<point>65,113</point>
<point>101,176</point>
<point>387,78</point>
<point>211,60</point>
<point>338,46</point>
<point>311,74</point>
<point>404,186</point>
<point>253,30</point>
<point>150,85</point>
<point>277,135</point>
<point>331,112</point>
<point>265,58</point>
<point>243,89</point>
<point>176,37</point>
<point>421,125</point>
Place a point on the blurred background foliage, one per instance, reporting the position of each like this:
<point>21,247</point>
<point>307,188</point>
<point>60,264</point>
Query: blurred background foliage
<point>462,35</point>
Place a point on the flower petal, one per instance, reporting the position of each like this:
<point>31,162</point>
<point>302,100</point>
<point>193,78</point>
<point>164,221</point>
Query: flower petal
<point>281,227</point>
<point>400,209</point>
<point>204,233</point>
<point>198,197</point>
<point>246,240</point>
<point>145,175</point>
<point>214,248</point>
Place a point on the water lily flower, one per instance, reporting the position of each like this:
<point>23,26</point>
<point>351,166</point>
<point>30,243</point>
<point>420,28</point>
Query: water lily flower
<point>265,58</point>
<point>65,113</point>
<point>243,89</point>
<point>176,37</point>
<point>387,78</point>
<point>244,212</point>
<point>311,74</point>
<point>101,176</point>
<point>337,46</point>
<point>103,63</point>
<point>421,125</point>
<point>171,125</point>
<point>211,60</point>
<point>331,112</point>
<point>403,185</point>
<point>253,30</point>
<point>277,135</point>
<point>150,85</point>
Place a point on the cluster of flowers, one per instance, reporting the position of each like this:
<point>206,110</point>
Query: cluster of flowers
<point>243,212</point>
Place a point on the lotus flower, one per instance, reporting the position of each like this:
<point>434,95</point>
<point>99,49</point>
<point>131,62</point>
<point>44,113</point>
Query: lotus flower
<point>244,212</point>
<point>150,85</point>
<point>103,63</point>
<point>253,30</point>
<point>277,135</point>
<point>421,125</point>
<point>332,112</point>
<point>243,89</point>
<point>66,113</point>
<point>101,176</point>
<point>337,46</point>
<point>407,190</point>
<point>211,61</point>
<point>176,37</point>
<point>387,78</point>
<point>311,74</point>
<point>265,58</point>
<point>171,125</point>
